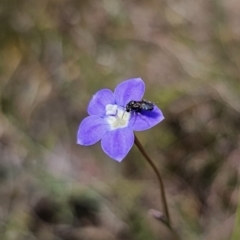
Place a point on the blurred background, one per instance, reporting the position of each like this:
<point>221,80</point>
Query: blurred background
<point>55,54</point>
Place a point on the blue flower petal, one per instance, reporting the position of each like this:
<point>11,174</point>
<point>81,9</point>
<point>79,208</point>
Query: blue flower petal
<point>117,143</point>
<point>145,119</point>
<point>91,130</point>
<point>132,89</point>
<point>97,105</point>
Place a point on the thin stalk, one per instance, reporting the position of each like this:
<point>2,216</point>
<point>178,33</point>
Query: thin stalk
<point>161,185</point>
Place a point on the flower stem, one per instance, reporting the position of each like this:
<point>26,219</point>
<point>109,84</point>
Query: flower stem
<point>162,190</point>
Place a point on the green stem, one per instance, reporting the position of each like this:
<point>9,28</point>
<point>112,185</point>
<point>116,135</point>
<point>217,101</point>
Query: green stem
<point>162,190</point>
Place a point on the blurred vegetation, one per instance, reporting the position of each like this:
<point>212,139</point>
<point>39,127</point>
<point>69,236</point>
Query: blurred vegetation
<point>55,54</point>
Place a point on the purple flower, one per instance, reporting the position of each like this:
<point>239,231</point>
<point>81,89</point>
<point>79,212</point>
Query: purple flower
<point>110,123</point>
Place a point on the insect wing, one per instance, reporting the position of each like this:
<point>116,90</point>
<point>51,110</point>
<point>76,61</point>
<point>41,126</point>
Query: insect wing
<point>147,105</point>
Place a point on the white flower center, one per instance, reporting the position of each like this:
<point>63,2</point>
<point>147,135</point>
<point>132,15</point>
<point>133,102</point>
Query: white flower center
<point>117,117</point>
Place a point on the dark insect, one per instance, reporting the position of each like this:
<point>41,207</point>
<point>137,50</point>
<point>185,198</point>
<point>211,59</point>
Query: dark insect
<point>138,106</point>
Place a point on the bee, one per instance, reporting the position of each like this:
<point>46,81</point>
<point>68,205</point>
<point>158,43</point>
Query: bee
<point>138,106</point>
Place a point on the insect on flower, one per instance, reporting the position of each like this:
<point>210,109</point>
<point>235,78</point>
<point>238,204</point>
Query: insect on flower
<point>111,120</point>
<point>138,106</point>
